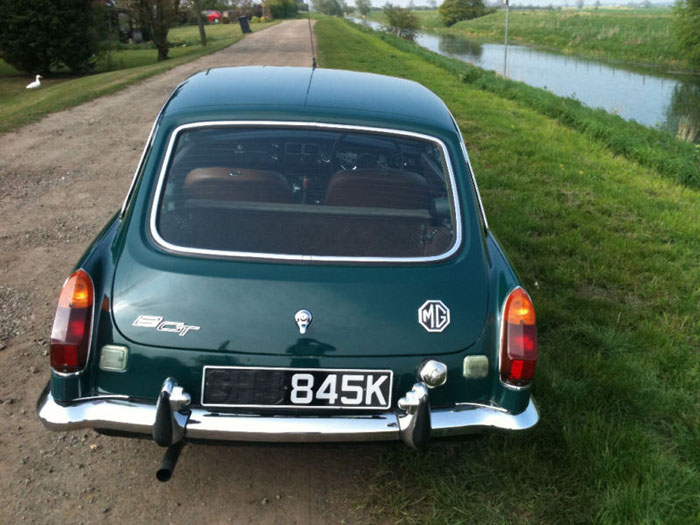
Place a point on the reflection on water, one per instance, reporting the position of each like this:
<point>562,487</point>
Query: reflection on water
<point>671,102</point>
<point>683,115</point>
<point>451,45</point>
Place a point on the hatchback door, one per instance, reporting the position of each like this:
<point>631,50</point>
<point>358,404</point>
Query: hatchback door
<point>253,223</point>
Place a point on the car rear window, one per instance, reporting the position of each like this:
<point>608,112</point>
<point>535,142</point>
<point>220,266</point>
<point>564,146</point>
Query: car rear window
<point>305,193</point>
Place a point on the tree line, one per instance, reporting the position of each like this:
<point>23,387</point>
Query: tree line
<point>40,36</point>
<point>45,36</point>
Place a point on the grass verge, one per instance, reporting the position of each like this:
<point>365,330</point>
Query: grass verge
<point>650,147</point>
<point>19,106</point>
<point>609,250</point>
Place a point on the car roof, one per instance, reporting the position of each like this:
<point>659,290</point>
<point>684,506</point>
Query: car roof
<point>306,94</point>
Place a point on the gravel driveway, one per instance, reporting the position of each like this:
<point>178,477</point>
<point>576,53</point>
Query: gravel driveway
<point>60,181</point>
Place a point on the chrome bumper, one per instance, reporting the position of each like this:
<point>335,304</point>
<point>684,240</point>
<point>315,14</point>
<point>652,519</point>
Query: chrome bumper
<point>122,414</point>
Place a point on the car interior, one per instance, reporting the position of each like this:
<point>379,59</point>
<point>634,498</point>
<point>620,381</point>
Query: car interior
<point>308,192</point>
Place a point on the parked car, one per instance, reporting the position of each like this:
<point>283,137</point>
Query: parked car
<point>302,256</point>
<point>213,16</point>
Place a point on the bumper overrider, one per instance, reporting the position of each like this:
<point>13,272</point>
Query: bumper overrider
<point>171,420</point>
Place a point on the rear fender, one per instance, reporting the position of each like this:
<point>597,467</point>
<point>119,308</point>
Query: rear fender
<point>98,261</point>
<point>502,280</point>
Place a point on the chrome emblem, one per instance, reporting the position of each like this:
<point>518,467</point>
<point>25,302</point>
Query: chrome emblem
<point>157,322</point>
<point>434,316</point>
<point>303,319</point>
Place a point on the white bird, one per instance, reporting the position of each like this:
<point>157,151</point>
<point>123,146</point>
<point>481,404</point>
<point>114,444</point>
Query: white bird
<point>35,84</point>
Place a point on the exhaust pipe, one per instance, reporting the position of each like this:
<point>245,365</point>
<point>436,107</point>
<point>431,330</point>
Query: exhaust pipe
<point>167,466</point>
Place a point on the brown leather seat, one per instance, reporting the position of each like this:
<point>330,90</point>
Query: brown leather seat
<point>379,189</point>
<point>232,184</point>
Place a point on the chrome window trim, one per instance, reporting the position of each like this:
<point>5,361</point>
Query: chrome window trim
<point>301,369</point>
<point>139,167</point>
<point>149,143</point>
<point>471,171</point>
<point>155,201</point>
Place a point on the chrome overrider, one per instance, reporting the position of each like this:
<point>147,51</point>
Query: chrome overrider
<point>409,423</point>
<point>172,415</point>
<point>414,418</point>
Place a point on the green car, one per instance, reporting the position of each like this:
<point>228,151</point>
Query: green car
<point>302,256</point>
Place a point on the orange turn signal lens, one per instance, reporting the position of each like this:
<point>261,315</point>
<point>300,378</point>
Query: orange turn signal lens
<point>519,308</point>
<point>77,292</point>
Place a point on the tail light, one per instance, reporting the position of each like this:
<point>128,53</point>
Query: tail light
<point>519,339</point>
<point>70,335</point>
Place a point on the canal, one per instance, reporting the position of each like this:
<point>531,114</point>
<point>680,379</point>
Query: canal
<point>661,100</point>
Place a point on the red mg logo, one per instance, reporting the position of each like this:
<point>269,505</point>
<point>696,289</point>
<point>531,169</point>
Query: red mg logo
<point>434,316</point>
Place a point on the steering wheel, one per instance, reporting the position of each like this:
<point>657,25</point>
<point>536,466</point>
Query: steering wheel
<point>351,160</point>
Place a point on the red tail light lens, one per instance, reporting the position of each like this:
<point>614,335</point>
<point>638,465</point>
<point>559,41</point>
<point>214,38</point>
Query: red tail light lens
<point>70,335</point>
<point>519,343</point>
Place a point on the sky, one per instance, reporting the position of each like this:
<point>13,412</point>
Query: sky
<point>544,3</point>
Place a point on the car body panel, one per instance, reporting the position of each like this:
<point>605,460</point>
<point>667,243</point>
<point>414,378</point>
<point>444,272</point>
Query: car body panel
<point>245,307</point>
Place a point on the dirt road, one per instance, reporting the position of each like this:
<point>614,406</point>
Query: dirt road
<point>60,180</point>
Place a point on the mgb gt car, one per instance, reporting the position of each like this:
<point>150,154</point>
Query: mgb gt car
<point>302,256</point>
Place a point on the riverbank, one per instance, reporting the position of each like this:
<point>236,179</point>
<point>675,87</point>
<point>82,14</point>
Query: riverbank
<point>659,149</point>
<point>635,36</point>
<point>607,243</point>
<point>116,70</point>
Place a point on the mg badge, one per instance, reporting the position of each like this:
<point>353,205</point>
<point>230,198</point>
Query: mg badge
<point>303,319</point>
<point>434,316</point>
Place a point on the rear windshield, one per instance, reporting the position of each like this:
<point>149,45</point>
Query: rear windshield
<point>306,192</point>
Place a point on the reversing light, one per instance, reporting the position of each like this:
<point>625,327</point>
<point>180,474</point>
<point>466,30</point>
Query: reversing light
<point>70,335</point>
<point>475,367</point>
<point>519,339</point>
<point>113,358</point>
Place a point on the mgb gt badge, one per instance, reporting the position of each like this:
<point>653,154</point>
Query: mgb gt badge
<point>303,319</point>
<point>157,322</point>
<point>434,316</point>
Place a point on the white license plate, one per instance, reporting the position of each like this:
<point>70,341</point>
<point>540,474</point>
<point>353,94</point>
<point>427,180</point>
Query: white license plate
<point>319,388</point>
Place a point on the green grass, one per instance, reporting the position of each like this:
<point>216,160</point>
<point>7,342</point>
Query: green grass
<point>19,106</point>
<point>633,36</point>
<point>613,247</point>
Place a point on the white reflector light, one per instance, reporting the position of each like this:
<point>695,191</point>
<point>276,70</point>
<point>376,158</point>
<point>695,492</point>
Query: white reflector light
<point>114,358</point>
<point>476,366</point>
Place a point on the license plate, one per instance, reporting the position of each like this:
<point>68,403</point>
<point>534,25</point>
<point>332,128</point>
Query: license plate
<point>317,388</point>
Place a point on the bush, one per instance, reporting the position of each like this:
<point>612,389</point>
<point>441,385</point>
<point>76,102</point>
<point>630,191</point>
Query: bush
<point>329,7</point>
<point>255,20</point>
<point>688,28</point>
<point>282,8</point>
<point>453,11</point>
<point>363,6</point>
<point>401,22</point>
<point>37,36</point>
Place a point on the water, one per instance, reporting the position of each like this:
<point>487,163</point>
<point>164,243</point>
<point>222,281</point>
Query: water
<point>665,101</point>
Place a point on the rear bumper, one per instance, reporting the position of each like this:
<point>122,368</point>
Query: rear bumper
<point>124,415</point>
